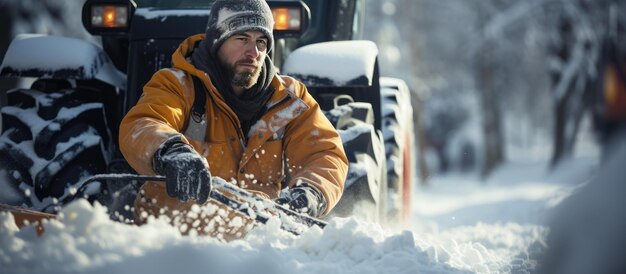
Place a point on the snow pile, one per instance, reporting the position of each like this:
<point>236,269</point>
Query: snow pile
<point>487,248</point>
<point>84,240</point>
<point>587,231</point>
<point>460,225</point>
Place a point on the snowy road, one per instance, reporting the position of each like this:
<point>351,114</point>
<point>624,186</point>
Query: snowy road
<point>460,225</point>
<point>495,226</point>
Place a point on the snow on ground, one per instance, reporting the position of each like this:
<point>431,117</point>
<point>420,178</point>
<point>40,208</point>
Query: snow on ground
<point>587,231</point>
<point>517,192</point>
<point>84,240</point>
<point>460,225</point>
<point>497,225</point>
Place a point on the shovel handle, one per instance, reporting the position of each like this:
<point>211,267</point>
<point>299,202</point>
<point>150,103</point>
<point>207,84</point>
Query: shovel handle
<point>221,184</point>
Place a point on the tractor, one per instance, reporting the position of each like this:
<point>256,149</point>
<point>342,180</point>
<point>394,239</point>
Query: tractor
<point>64,128</point>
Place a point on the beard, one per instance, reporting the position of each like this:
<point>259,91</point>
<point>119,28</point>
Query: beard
<point>243,78</point>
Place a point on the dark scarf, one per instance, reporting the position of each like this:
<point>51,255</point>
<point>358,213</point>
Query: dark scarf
<point>251,105</point>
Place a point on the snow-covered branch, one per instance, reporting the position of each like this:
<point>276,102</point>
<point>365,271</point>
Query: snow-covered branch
<point>570,71</point>
<point>501,20</point>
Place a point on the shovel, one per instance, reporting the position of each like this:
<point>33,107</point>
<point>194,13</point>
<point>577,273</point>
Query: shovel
<point>253,206</point>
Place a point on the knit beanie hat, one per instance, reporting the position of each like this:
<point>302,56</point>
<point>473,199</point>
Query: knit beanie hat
<point>230,17</point>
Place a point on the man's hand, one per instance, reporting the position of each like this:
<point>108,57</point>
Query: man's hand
<point>187,173</point>
<point>304,199</point>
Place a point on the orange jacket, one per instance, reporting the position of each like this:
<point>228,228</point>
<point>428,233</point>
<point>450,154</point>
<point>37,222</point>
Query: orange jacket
<point>293,131</point>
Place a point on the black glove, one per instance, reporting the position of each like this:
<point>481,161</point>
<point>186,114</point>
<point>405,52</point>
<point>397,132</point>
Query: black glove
<point>187,173</point>
<point>304,199</point>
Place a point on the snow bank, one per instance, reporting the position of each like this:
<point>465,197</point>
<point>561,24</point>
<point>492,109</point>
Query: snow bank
<point>84,240</point>
<point>460,225</point>
<point>587,231</point>
<point>487,248</point>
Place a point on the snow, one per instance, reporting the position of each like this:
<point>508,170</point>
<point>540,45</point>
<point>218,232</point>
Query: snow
<point>588,229</point>
<point>29,45</point>
<point>460,224</point>
<point>339,61</point>
<point>179,74</point>
<point>224,16</point>
<point>395,83</point>
<point>279,119</point>
<point>39,166</point>
<point>151,13</point>
<point>38,124</point>
<point>508,17</point>
<point>354,131</point>
<point>62,53</point>
<point>8,193</point>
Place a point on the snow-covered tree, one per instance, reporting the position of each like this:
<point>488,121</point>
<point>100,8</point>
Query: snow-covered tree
<point>530,65</point>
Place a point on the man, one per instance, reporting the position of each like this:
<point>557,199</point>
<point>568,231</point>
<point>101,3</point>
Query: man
<point>259,130</point>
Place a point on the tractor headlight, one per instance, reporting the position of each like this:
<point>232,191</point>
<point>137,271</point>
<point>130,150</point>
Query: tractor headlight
<point>291,18</point>
<point>287,18</point>
<point>107,16</point>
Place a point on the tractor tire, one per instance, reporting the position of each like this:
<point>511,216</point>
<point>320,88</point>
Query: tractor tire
<point>365,191</point>
<point>50,141</point>
<point>397,127</point>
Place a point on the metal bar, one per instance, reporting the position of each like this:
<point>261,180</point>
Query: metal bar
<point>215,194</point>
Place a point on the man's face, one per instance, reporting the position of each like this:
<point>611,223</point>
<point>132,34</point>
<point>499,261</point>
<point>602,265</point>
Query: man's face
<point>243,54</point>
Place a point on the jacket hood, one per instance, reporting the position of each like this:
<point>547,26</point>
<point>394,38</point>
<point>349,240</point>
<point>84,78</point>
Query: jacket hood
<point>184,50</point>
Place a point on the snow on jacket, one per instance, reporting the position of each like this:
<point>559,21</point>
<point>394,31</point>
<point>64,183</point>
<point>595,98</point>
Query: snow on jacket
<point>293,132</point>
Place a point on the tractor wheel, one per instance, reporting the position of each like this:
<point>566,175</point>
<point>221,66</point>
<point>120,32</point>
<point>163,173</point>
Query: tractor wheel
<point>50,141</point>
<point>365,191</point>
<point>399,143</point>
